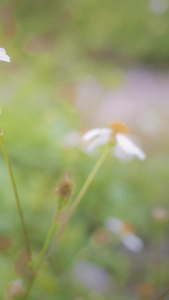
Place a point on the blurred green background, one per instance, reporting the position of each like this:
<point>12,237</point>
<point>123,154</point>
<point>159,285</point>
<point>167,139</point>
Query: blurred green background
<point>77,65</point>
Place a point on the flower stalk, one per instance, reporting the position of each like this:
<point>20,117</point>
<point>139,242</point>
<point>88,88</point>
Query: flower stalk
<point>41,255</point>
<point>48,239</point>
<point>45,253</point>
<point>77,200</point>
<point>15,193</point>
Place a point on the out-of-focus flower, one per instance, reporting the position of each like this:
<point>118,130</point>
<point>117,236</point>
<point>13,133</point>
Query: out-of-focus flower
<point>125,231</point>
<point>158,6</point>
<point>15,289</point>
<point>160,214</point>
<point>3,55</point>
<point>91,276</point>
<point>116,136</point>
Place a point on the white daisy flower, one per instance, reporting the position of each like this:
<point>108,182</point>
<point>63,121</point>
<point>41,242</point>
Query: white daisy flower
<point>115,134</point>
<point>3,55</point>
<point>125,232</point>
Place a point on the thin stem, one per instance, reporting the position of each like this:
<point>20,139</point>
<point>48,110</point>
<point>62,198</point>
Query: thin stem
<point>67,218</point>
<point>41,256</point>
<point>77,200</point>
<point>164,296</point>
<point>47,241</point>
<point>15,193</point>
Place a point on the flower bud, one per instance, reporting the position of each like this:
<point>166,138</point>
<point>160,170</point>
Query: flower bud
<point>64,190</point>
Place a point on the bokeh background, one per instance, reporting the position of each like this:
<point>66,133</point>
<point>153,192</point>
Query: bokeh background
<point>77,65</point>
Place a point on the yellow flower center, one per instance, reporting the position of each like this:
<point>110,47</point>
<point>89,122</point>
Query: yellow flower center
<point>126,227</point>
<point>117,127</point>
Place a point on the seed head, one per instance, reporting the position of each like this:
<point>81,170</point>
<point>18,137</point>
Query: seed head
<point>64,189</point>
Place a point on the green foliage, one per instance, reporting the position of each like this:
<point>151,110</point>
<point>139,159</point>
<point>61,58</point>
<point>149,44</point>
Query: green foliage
<point>54,45</point>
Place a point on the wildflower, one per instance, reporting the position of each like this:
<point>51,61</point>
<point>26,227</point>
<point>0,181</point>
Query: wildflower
<point>64,189</point>
<point>3,55</point>
<point>15,289</point>
<point>125,230</point>
<point>91,276</point>
<point>158,6</point>
<point>160,214</point>
<point>116,136</point>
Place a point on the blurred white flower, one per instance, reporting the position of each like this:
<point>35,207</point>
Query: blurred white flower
<point>3,55</point>
<point>91,276</point>
<point>15,289</point>
<point>160,214</point>
<point>158,6</point>
<point>115,134</point>
<point>125,232</point>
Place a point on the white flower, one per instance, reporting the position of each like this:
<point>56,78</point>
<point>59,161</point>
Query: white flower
<point>116,134</point>
<point>3,55</point>
<point>125,230</point>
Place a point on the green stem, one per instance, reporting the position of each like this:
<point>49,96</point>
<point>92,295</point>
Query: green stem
<point>77,200</point>
<point>15,193</point>
<point>70,213</point>
<point>41,256</point>
<point>47,241</point>
<point>164,296</point>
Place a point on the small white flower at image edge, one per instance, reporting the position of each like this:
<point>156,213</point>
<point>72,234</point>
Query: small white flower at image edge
<point>3,55</point>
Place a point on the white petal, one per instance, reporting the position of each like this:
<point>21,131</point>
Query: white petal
<point>114,224</point>
<point>3,55</point>
<point>132,242</point>
<point>129,147</point>
<point>118,152</point>
<point>94,132</point>
<point>98,141</point>
<point>2,51</point>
